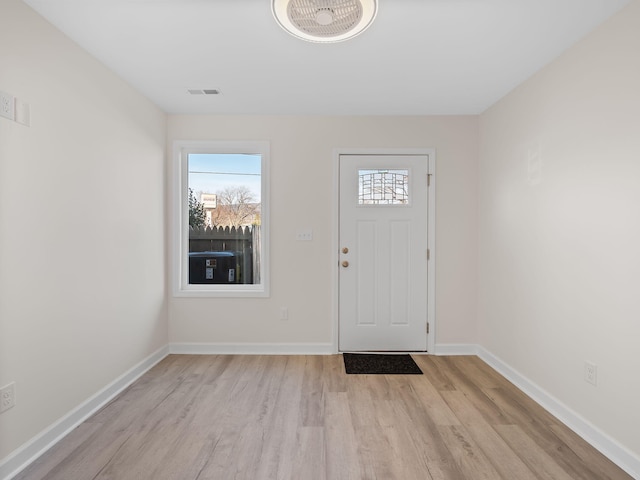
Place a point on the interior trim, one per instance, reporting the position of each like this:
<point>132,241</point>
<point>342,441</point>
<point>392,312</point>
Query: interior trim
<point>611,449</point>
<point>442,349</point>
<point>252,348</point>
<point>431,233</point>
<point>34,448</point>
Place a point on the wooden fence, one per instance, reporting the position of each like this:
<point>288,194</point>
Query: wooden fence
<point>242,240</point>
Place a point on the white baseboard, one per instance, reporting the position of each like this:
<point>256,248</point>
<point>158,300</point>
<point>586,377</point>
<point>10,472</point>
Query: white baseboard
<point>30,451</point>
<point>252,348</point>
<point>613,450</point>
<point>34,448</point>
<point>456,349</point>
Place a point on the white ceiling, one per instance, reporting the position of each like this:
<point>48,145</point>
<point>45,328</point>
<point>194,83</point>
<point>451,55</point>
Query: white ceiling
<point>419,57</point>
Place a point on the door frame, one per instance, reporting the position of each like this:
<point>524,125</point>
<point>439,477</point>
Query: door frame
<point>431,224</point>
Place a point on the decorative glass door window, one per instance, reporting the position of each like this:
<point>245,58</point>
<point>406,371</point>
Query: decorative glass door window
<point>383,187</point>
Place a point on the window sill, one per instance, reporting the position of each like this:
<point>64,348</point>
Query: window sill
<point>222,291</point>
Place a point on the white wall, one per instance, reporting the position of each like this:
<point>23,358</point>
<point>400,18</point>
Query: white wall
<point>302,196</point>
<point>559,267</point>
<point>559,245</point>
<point>82,276</point>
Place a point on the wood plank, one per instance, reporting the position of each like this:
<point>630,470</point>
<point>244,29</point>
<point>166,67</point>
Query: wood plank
<point>489,409</point>
<point>602,467</point>
<point>424,433</point>
<point>499,453</point>
<point>55,457</point>
<point>340,439</point>
<point>309,457</point>
<point>195,417</point>
<point>432,401</point>
<point>537,424</point>
<point>281,428</point>
<point>335,378</point>
<point>437,377</point>
<point>313,388</point>
<point>468,455</point>
<point>535,457</point>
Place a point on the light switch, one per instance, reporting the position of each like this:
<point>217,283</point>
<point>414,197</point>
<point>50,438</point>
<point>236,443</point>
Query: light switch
<point>7,108</point>
<point>305,235</point>
<point>22,113</point>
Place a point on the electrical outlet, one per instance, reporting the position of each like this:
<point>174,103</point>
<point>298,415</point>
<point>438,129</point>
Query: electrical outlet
<point>7,109</point>
<point>284,313</point>
<point>7,397</point>
<point>591,373</point>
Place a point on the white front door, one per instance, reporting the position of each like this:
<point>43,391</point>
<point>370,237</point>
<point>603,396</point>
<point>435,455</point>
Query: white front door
<point>383,252</point>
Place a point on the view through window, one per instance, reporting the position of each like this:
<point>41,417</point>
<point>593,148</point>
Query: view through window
<point>222,218</point>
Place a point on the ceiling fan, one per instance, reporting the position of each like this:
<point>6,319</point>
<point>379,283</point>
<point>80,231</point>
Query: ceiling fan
<point>324,21</point>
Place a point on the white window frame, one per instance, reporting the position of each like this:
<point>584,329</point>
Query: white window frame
<point>180,248</point>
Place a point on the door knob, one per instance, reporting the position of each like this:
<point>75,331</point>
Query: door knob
<point>345,264</point>
<point>345,250</point>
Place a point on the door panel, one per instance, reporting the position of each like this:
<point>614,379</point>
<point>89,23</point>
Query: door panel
<point>400,253</point>
<point>367,273</point>
<point>383,226</point>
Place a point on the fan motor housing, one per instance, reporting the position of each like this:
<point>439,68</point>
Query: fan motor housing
<point>324,20</point>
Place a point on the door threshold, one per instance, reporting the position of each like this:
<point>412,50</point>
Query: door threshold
<point>387,352</point>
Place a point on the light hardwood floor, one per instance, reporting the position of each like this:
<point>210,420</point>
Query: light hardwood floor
<point>301,417</point>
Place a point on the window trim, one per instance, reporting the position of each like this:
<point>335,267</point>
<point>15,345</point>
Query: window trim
<point>180,247</point>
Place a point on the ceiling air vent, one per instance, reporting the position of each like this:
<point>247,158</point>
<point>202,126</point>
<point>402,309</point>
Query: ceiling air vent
<point>324,20</point>
<point>206,91</point>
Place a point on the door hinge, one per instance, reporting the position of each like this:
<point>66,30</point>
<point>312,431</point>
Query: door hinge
<point>428,254</point>
<point>427,328</point>
<point>428,179</point>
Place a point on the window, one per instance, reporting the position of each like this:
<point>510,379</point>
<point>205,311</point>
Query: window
<point>221,219</point>
<point>383,187</point>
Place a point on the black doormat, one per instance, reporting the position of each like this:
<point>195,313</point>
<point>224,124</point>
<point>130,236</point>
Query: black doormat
<point>380,364</point>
